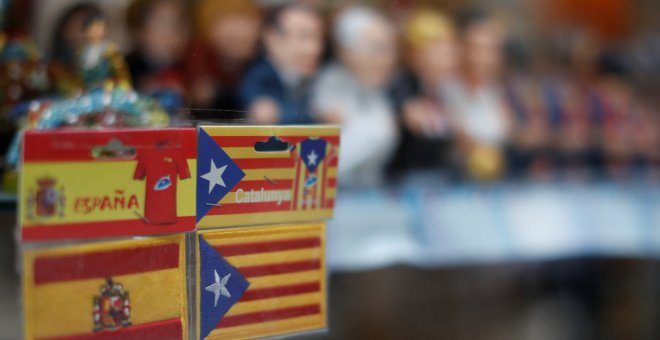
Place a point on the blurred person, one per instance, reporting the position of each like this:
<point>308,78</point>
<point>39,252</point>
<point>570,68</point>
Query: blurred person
<point>530,92</point>
<point>624,121</point>
<point>69,33</point>
<point>228,34</point>
<point>430,44</point>
<point>476,101</point>
<point>276,90</point>
<point>646,138</point>
<point>618,128</point>
<point>160,28</point>
<point>581,106</point>
<point>67,40</point>
<point>353,93</point>
<point>99,61</point>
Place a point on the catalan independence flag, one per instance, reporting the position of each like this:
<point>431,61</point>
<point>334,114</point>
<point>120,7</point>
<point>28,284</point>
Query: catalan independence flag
<point>132,289</point>
<point>238,185</point>
<point>261,281</point>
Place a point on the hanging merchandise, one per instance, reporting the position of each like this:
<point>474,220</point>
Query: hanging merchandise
<point>266,174</point>
<point>78,184</point>
<point>255,268</point>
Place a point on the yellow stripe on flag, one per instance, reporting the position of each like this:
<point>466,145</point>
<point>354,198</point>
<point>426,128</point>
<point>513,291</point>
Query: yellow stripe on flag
<point>249,152</point>
<point>274,174</point>
<point>65,308</point>
<point>270,328</point>
<point>320,184</point>
<point>269,304</point>
<point>281,280</point>
<point>217,221</point>
<point>267,131</point>
<point>275,257</point>
<point>240,236</point>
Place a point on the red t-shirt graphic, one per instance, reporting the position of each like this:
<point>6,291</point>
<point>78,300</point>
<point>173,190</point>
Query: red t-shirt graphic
<point>161,168</point>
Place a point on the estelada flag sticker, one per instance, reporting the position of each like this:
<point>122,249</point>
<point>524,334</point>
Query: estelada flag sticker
<point>86,184</point>
<point>266,174</point>
<point>115,290</point>
<point>261,281</point>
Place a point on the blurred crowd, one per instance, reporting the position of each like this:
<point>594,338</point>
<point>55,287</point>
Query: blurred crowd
<point>421,90</point>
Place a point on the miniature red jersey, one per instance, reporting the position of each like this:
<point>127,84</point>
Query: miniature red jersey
<point>161,167</point>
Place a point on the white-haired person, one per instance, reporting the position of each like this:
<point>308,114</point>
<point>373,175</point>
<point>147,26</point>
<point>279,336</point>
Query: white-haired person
<point>353,93</point>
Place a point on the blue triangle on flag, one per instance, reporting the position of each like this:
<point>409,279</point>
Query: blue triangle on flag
<point>220,287</point>
<point>312,151</point>
<point>217,173</point>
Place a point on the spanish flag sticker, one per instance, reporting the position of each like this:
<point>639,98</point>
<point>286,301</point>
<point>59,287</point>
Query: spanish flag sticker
<point>132,289</point>
<point>261,281</point>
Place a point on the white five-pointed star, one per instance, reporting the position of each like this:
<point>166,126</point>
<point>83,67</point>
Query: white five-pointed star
<point>311,158</point>
<point>214,176</point>
<point>219,287</point>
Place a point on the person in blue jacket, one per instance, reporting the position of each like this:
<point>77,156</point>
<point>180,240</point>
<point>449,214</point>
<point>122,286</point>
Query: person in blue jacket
<point>276,89</point>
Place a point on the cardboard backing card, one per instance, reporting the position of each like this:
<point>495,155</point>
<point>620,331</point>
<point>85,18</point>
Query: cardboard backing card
<point>249,175</point>
<point>78,184</point>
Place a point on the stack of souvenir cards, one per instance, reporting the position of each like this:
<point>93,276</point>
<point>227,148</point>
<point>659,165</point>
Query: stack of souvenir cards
<point>268,277</point>
<point>82,185</point>
<point>209,232</point>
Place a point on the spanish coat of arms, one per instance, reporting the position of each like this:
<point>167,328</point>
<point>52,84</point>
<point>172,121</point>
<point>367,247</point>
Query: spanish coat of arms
<point>112,308</point>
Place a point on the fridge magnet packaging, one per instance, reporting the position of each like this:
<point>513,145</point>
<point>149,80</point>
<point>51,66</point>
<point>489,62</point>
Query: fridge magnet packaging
<point>77,184</point>
<point>133,289</point>
<point>255,282</point>
<point>249,175</point>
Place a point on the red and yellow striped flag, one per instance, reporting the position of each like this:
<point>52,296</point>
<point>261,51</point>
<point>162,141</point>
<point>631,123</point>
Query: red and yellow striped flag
<point>132,289</point>
<point>273,187</point>
<point>285,269</point>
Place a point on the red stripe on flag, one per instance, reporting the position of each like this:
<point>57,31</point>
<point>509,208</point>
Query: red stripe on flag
<point>280,268</point>
<point>103,229</point>
<point>268,246</point>
<point>263,163</point>
<point>332,182</point>
<point>273,292</point>
<point>333,162</point>
<point>245,141</point>
<point>330,204</point>
<point>296,186</point>
<point>269,315</point>
<point>244,208</point>
<point>103,264</point>
<point>274,184</point>
<point>166,329</point>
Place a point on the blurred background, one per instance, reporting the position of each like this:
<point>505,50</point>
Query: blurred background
<point>499,175</point>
